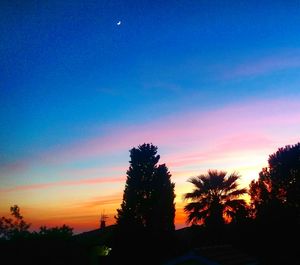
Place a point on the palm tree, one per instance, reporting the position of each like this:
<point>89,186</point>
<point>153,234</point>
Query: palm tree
<point>214,198</point>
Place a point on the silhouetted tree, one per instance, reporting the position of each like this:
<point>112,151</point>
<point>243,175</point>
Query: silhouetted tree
<point>284,169</point>
<point>262,199</point>
<point>214,198</point>
<point>15,226</point>
<point>148,200</point>
<point>57,232</point>
<point>275,204</point>
<point>145,221</point>
<point>53,245</point>
<point>277,190</point>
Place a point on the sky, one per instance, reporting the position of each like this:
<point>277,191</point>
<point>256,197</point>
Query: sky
<point>214,84</point>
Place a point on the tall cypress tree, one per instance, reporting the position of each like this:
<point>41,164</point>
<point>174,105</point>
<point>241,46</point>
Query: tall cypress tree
<point>148,199</point>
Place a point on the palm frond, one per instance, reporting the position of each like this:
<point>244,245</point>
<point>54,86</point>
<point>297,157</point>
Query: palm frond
<point>230,183</point>
<point>213,173</point>
<point>216,178</point>
<point>196,217</point>
<point>195,206</point>
<point>205,182</point>
<point>195,194</point>
<point>237,193</point>
<point>196,181</point>
<point>235,204</point>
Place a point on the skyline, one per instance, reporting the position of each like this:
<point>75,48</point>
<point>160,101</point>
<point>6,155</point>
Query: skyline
<point>212,87</point>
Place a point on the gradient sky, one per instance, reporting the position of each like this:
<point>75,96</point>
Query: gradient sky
<point>214,84</point>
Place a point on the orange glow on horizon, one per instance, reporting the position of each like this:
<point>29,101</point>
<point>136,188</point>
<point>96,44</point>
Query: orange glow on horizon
<point>84,214</point>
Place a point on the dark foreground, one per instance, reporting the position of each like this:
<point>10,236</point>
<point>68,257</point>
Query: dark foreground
<point>244,244</point>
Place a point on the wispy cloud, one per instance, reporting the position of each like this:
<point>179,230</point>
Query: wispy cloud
<point>243,121</point>
<point>224,148</point>
<point>63,183</point>
<point>243,126</point>
<point>170,87</point>
<point>103,201</point>
<point>263,66</point>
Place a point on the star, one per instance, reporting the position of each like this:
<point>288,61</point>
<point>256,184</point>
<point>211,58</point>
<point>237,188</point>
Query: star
<point>119,22</point>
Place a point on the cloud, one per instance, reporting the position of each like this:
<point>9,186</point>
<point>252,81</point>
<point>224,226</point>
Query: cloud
<point>263,66</point>
<point>226,147</point>
<point>169,87</point>
<point>82,216</point>
<point>190,137</point>
<point>107,201</point>
<point>63,183</point>
<point>238,121</point>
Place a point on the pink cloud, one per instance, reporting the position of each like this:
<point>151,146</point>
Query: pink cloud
<point>189,126</point>
<point>231,128</point>
<point>16,166</point>
<point>63,183</point>
<point>225,147</point>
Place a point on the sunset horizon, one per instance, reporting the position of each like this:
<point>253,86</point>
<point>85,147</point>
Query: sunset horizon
<point>245,154</point>
<point>212,84</point>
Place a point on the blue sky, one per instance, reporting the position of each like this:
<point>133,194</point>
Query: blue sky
<point>70,75</point>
